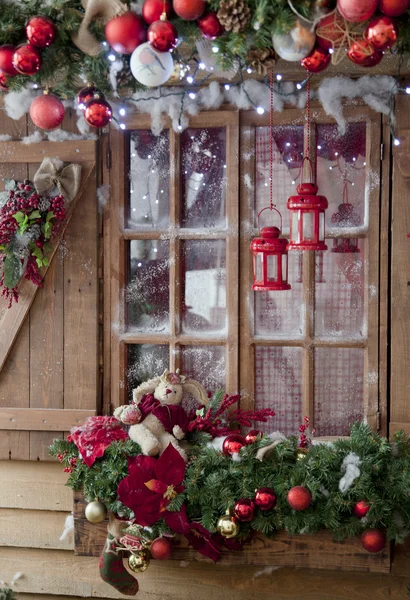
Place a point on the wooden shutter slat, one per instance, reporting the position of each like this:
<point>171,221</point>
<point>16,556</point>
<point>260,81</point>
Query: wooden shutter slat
<point>47,419</point>
<point>68,151</point>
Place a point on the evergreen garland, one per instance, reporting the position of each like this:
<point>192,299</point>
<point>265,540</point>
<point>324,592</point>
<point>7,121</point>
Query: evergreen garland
<point>7,594</point>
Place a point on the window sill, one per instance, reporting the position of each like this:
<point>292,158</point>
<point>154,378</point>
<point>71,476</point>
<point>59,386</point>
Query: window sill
<point>318,551</point>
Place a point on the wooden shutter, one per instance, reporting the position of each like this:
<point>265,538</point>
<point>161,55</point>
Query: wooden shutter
<point>49,340</point>
<point>400,274</point>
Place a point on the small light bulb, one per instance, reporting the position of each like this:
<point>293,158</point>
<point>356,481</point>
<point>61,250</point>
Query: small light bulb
<point>407,90</point>
<point>192,95</point>
<point>111,57</point>
<point>288,144</point>
<point>215,49</point>
<point>227,86</point>
<point>202,66</point>
<point>249,70</point>
<point>190,79</point>
<point>156,201</point>
<point>179,128</point>
<point>133,155</point>
<point>155,249</point>
<point>353,183</point>
<point>145,197</point>
<point>293,182</point>
<point>149,156</point>
<point>336,153</point>
<point>331,51</point>
<point>330,168</point>
<point>364,164</point>
<point>122,126</point>
<point>396,142</point>
<point>279,77</point>
<point>260,110</point>
<point>104,44</point>
<point>139,265</point>
<point>35,86</point>
<point>299,86</point>
<point>81,106</point>
<point>354,159</point>
<point>319,147</point>
<point>122,112</point>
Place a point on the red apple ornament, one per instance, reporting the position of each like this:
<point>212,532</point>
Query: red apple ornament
<point>162,35</point>
<point>393,8</point>
<point>161,548</point>
<point>318,60</point>
<point>40,31</point>
<point>27,59</point>
<point>356,11</point>
<point>299,498</point>
<point>125,33</point>
<point>6,60</point>
<point>47,111</point>
<point>153,9</point>
<point>361,509</point>
<point>210,26</point>
<point>373,540</point>
<point>189,10</point>
<point>381,33</point>
<point>244,510</point>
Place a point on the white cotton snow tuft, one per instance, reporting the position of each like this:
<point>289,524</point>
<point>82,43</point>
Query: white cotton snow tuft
<point>68,527</point>
<point>115,68</point>
<point>216,443</point>
<point>59,135</point>
<point>103,195</point>
<point>350,467</point>
<point>34,138</point>
<point>5,138</point>
<point>17,104</point>
<point>276,436</point>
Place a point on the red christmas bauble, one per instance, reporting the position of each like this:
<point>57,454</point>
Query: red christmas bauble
<point>125,33</point>
<point>153,9</point>
<point>161,548</point>
<point>393,8</point>
<point>6,59</point>
<point>373,540</point>
<point>355,11</point>
<point>233,443</point>
<point>381,33</point>
<point>253,435</point>
<point>86,94</point>
<point>318,60</point>
<point>362,53</point>
<point>3,82</point>
<point>265,498</point>
<point>210,26</point>
<point>40,31</point>
<point>329,32</point>
<point>299,498</point>
<point>244,510</point>
<point>47,111</point>
<point>27,59</point>
<point>361,509</point>
<point>162,35</point>
<point>189,10</point>
<point>98,113</point>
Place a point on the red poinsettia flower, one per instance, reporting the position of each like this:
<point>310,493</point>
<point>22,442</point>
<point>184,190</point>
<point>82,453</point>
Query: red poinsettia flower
<point>95,435</point>
<point>150,486</point>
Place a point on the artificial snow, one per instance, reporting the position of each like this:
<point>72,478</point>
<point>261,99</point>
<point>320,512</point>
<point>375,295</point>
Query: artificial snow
<point>68,527</point>
<point>350,466</point>
<point>59,135</point>
<point>103,195</point>
<point>34,138</point>
<point>5,138</point>
<point>17,104</point>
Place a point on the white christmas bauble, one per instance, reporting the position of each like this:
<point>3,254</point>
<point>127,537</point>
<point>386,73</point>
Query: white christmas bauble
<point>150,67</point>
<point>297,44</point>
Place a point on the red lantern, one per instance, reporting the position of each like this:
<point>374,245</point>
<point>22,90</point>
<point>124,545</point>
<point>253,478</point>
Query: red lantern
<point>270,258</point>
<point>307,216</point>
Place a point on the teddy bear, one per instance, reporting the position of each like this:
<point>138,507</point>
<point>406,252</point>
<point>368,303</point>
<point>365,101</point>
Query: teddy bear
<point>156,417</point>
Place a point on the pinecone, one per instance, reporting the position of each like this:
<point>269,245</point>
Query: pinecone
<point>43,204</point>
<point>34,232</point>
<point>124,77</point>
<point>234,15</point>
<point>261,60</point>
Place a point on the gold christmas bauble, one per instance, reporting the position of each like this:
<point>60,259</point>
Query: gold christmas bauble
<point>227,527</point>
<point>139,561</point>
<point>301,453</point>
<point>95,512</point>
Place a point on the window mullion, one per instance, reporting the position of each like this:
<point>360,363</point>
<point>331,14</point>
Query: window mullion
<point>175,286</point>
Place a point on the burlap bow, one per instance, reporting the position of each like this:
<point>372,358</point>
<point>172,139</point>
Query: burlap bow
<point>106,10</point>
<point>66,179</point>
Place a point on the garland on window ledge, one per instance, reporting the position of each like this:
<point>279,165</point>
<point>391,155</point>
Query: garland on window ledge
<point>217,488</point>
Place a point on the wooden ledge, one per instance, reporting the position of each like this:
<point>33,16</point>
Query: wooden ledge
<point>318,551</point>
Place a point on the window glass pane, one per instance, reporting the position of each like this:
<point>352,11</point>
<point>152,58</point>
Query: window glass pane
<point>338,389</point>
<point>340,159</point>
<point>340,297</point>
<point>204,286</point>
<point>203,164</point>
<point>272,267</point>
<point>287,158</point>
<point>147,292</point>
<point>206,364</point>
<point>149,180</point>
<point>278,385</point>
<point>281,314</point>
<point>145,361</point>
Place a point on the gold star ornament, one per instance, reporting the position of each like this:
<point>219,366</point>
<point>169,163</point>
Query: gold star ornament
<point>337,34</point>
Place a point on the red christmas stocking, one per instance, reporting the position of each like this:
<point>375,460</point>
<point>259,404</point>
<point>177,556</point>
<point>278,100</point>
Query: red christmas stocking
<point>112,569</point>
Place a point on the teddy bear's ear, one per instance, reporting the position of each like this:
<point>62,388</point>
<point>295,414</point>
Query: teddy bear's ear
<point>195,388</point>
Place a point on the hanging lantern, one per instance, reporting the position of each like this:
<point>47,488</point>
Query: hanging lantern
<point>270,258</point>
<point>345,217</point>
<point>307,218</point>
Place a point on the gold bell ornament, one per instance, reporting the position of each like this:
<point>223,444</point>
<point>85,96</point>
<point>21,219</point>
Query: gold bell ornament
<point>227,526</point>
<point>139,561</point>
<point>95,512</point>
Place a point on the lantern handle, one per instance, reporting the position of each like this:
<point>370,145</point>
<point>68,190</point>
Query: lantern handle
<point>269,208</point>
<point>311,169</point>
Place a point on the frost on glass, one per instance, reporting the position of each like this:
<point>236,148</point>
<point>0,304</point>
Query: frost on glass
<point>338,389</point>
<point>278,385</point>
<point>287,159</point>
<point>203,166</point>
<point>147,292</point>
<point>204,286</point>
<point>149,180</point>
<point>206,364</point>
<point>340,160</point>
<point>145,361</point>
<point>281,314</point>
<point>340,295</point>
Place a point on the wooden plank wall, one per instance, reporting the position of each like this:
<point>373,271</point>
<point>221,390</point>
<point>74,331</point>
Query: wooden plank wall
<point>53,363</point>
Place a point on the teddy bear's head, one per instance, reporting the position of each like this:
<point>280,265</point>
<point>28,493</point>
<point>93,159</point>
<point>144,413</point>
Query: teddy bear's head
<point>169,389</point>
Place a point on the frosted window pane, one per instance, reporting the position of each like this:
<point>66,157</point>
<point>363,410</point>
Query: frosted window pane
<point>338,389</point>
<point>287,158</point>
<point>281,313</point>
<point>321,226</point>
<point>204,286</point>
<point>206,364</point>
<point>278,385</point>
<point>284,267</point>
<point>339,157</point>
<point>272,267</point>
<point>145,361</point>
<point>147,292</point>
<point>295,227</point>
<point>258,263</point>
<point>340,300</point>
<point>308,221</point>
<point>203,164</point>
<point>149,180</point>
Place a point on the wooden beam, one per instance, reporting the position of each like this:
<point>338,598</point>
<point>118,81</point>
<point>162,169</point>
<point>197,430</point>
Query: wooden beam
<point>13,318</point>
<point>67,151</point>
<point>46,419</point>
<point>45,529</point>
